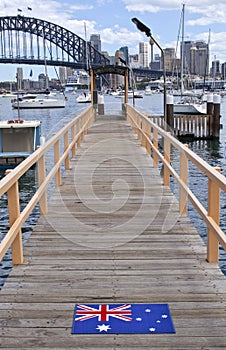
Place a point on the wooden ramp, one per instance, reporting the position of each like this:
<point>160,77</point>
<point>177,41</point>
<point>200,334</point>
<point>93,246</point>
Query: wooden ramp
<point>113,234</point>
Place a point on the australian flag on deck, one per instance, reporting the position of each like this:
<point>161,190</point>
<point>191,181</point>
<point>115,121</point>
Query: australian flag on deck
<point>122,319</point>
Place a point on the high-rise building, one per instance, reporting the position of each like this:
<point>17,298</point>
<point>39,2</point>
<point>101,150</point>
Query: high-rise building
<point>169,55</point>
<point>19,78</point>
<point>62,75</point>
<point>143,54</point>
<point>117,80</point>
<point>223,70</point>
<point>196,57</point>
<point>43,81</point>
<point>187,64</point>
<point>125,51</point>
<point>215,69</point>
<point>95,41</point>
<point>134,61</point>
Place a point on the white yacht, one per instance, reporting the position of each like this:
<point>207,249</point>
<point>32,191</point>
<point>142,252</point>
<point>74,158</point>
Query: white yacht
<point>31,103</point>
<point>189,106</point>
<point>148,91</point>
<point>84,98</point>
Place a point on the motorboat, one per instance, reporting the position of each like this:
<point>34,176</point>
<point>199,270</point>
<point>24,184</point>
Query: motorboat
<point>131,94</point>
<point>190,106</point>
<point>135,94</point>
<point>8,94</point>
<point>148,91</point>
<point>31,103</point>
<point>18,139</point>
<point>84,98</point>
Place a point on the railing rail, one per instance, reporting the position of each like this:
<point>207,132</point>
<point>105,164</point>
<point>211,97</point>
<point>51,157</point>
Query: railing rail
<point>74,131</point>
<point>148,132</point>
<point>197,126</point>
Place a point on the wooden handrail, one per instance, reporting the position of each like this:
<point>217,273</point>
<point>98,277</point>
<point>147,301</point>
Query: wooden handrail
<point>9,183</point>
<point>216,180</point>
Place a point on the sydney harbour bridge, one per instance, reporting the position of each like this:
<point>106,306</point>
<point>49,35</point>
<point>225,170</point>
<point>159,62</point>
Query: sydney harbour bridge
<point>33,41</point>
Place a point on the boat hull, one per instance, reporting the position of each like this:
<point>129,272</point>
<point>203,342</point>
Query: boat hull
<point>189,108</point>
<point>18,139</point>
<point>84,98</point>
<point>39,103</point>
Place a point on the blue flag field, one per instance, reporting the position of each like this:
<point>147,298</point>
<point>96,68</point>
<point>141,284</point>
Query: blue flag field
<point>122,319</point>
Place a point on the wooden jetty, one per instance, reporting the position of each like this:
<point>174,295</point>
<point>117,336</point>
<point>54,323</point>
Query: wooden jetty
<point>194,126</point>
<point>112,232</point>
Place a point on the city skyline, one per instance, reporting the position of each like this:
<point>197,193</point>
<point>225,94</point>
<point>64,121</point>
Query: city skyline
<point>112,21</point>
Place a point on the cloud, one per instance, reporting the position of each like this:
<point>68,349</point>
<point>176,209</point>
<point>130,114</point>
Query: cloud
<point>81,7</point>
<point>206,11</point>
<point>124,37</point>
<point>153,7</point>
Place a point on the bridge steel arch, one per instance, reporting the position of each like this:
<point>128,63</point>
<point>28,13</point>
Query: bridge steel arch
<point>22,41</point>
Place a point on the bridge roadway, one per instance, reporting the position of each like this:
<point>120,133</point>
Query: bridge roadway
<point>113,234</point>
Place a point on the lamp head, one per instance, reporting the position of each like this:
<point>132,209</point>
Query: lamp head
<point>141,26</point>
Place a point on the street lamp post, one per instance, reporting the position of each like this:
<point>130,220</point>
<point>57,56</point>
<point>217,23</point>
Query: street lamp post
<point>143,28</point>
<point>131,71</point>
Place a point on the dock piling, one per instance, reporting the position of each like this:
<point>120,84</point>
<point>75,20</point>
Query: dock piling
<point>169,112</point>
<point>216,115</point>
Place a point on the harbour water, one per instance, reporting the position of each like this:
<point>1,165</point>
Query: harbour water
<point>53,120</point>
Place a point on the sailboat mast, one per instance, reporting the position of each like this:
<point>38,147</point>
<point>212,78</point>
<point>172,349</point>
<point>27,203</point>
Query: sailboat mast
<point>46,73</point>
<point>87,62</point>
<point>207,62</point>
<point>87,59</point>
<point>182,52</point>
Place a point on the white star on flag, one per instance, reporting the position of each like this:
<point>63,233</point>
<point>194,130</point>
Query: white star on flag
<point>103,327</point>
<point>152,329</point>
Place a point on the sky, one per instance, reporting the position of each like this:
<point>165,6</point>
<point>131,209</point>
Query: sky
<point>112,20</point>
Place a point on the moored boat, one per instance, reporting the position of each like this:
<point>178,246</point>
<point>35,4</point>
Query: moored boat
<point>30,103</point>
<point>148,91</point>
<point>189,107</point>
<point>84,98</point>
<point>18,139</point>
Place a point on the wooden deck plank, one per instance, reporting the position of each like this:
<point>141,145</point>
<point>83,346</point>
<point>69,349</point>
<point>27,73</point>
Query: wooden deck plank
<point>83,252</point>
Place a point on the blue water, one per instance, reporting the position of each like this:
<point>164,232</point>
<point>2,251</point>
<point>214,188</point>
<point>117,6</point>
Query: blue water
<point>53,120</point>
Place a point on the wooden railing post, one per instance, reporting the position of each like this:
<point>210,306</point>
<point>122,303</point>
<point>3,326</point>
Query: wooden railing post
<point>78,127</point>
<point>14,213</point>
<point>214,213</point>
<point>138,126</point>
<point>143,139</point>
<point>56,159</point>
<point>183,203</point>
<point>73,149</point>
<point>66,144</point>
<point>167,146</point>
<point>85,119</point>
<point>135,127</point>
<point>41,179</point>
<point>156,145</point>
<point>82,122</point>
<point>148,145</point>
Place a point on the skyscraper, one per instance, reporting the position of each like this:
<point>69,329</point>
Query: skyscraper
<point>95,41</point>
<point>143,54</point>
<point>62,75</point>
<point>19,76</point>
<point>196,57</point>
<point>169,59</point>
<point>125,51</point>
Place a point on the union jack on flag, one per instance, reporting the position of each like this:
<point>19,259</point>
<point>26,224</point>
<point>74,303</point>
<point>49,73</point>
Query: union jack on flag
<point>103,312</point>
<point>122,318</point>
